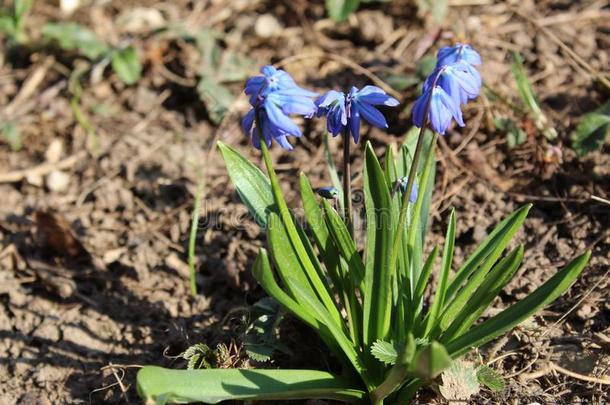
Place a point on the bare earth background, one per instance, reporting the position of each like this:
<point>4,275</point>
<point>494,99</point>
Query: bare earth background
<point>93,243</point>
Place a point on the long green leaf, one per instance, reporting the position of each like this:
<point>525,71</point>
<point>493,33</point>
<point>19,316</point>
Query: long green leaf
<point>339,10</point>
<point>251,184</point>
<point>288,263</point>
<point>495,241</point>
<point>212,386</point>
<point>497,278</point>
<point>377,279</point>
<point>345,244</point>
<point>422,283</point>
<point>520,311</point>
<point>321,235</point>
<point>439,295</point>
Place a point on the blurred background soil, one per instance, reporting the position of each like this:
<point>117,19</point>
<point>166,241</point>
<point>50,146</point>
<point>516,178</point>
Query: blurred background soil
<point>97,182</point>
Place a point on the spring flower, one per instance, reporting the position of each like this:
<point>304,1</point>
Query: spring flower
<point>330,193</point>
<point>274,96</point>
<point>451,54</point>
<point>454,82</point>
<point>402,185</point>
<point>343,112</point>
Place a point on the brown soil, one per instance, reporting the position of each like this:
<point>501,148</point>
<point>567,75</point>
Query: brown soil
<point>93,273</point>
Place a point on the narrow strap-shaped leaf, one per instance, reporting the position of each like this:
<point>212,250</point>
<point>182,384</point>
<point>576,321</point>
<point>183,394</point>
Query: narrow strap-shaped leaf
<point>494,240</point>
<point>425,275</point>
<point>439,295</point>
<point>331,257</point>
<point>461,296</point>
<point>517,313</point>
<point>377,279</point>
<point>263,274</point>
<point>289,265</point>
<point>296,239</point>
<point>345,243</point>
<point>252,186</point>
<point>418,223</point>
<point>497,278</point>
<point>161,385</point>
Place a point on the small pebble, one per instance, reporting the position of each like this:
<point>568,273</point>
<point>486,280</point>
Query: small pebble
<point>267,26</point>
<point>58,181</point>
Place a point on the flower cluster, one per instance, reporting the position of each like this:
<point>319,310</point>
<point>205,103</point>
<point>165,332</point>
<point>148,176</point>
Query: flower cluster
<point>274,96</point>
<point>453,82</point>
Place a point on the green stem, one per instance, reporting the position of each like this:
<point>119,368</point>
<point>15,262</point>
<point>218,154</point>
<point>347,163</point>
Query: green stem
<point>405,198</point>
<point>347,183</point>
<point>193,238</point>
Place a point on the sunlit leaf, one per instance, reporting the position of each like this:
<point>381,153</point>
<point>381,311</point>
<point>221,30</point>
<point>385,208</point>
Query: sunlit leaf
<point>126,64</point>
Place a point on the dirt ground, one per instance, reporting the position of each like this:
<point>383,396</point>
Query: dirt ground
<point>94,223</point>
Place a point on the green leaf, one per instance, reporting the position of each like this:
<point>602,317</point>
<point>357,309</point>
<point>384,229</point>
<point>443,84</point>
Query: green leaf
<point>377,278</point>
<point>526,93</point>
<point>490,378</point>
<point>592,131</point>
<point>422,283</point>
<point>321,235</point>
<point>216,97</point>
<point>437,9</point>
<point>430,361</point>
<point>21,7</point>
<point>517,313</point>
<point>339,10</point>
<point>345,244</point>
<point>198,356</point>
<point>497,278</point>
<point>7,25</point>
<point>289,264</point>
<point>398,373</point>
<point>251,184</point>
<point>515,136</point>
<point>385,352</point>
<point>441,289</point>
<point>162,386</point>
<point>126,64</point>
<point>75,37</point>
<point>12,135</point>
<point>494,244</point>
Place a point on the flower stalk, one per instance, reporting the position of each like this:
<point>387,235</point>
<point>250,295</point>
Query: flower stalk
<point>347,183</point>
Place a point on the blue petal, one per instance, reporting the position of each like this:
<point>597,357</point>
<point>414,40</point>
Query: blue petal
<point>283,142</point>
<point>248,122</point>
<point>452,107</point>
<point>330,97</point>
<point>375,96</point>
<point>278,119</point>
<point>419,109</point>
<point>372,115</point>
<point>354,123</point>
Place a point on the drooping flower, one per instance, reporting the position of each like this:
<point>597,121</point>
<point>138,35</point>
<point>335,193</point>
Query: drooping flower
<point>274,96</point>
<point>343,112</point>
<point>453,82</point>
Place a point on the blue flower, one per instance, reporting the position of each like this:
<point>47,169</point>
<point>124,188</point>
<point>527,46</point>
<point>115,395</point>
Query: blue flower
<point>457,80</point>
<point>274,97</point>
<point>440,112</point>
<point>454,82</point>
<point>343,112</point>
<point>402,184</point>
<point>459,52</point>
<point>330,193</point>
